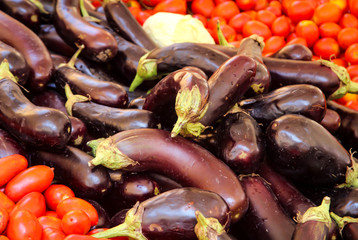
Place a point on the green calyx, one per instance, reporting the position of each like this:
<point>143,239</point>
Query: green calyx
<point>5,71</point>
<point>146,70</point>
<point>258,88</point>
<point>207,228</point>
<point>342,221</point>
<point>108,155</point>
<point>319,213</point>
<point>221,37</point>
<point>351,176</point>
<point>190,108</point>
<point>40,6</point>
<point>72,99</point>
<point>71,63</point>
<point>85,14</point>
<point>131,228</point>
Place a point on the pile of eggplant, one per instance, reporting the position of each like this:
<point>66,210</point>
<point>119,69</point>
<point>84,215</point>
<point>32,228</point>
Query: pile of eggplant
<point>188,141</point>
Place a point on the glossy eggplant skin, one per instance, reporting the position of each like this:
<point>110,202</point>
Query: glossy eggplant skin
<point>350,231</point>
<point>181,160</point>
<point>227,85</point>
<point>18,65</point>
<point>294,52</point>
<point>240,142</point>
<point>17,35</point>
<point>313,230</point>
<point>331,121</point>
<point>103,218</point>
<point>100,45</point>
<point>287,72</point>
<point>31,124</point>
<point>123,22</point>
<point>71,168</point>
<point>305,152</point>
<point>9,145</point>
<point>104,121</point>
<point>102,92</point>
<point>265,218</point>
<point>345,202</point>
<point>301,99</point>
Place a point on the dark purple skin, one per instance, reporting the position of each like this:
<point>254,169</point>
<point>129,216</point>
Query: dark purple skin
<point>24,11</point>
<point>287,72</point>
<point>104,121</point>
<point>9,145</point>
<point>227,85</point>
<point>18,65</point>
<point>102,92</point>
<point>180,160</point>
<point>290,198</point>
<point>100,45</point>
<point>331,121</point>
<point>118,218</point>
<point>294,52</point>
<point>350,231</point>
<point>345,202</point>
<point>103,218</point>
<point>17,35</point>
<point>240,143</point>
<point>313,230</point>
<point>300,99</point>
<point>265,218</point>
<point>137,103</point>
<point>71,168</point>
<point>124,23</point>
<point>57,60</point>
<point>305,152</point>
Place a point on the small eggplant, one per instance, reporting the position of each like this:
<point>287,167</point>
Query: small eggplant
<point>177,158</point>
<point>305,152</point>
<point>71,168</point>
<point>301,99</point>
<point>331,121</point>
<point>294,52</point>
<point>348,226</point>
<point>170,215</point>
<point>209,228</point>
<point>9,146</point>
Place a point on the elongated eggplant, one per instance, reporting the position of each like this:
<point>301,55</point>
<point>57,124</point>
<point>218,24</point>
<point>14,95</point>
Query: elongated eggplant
<point>171,215</point>
<point>348,226</point>
<point>177,158</point>
<point>209,228</point>
<point>294,52</point>
<point>9,145</point>
<point>31,124</point>
<point>17,35</point>
<point>99,44</point>
<point>124,23</point>
<point>265,218</point>
<point>240,142</point>
<point>176,56</point>
<point>301,99</point>
<point>71,168</point>
<point>18,65</point>
<point>227,85</point>
<point>305,152</point>
<point>331,121</point>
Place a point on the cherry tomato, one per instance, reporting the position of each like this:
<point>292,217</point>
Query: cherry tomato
<point>266,17</point>
<point>6,202</point>
<point>353,7</point>
<point>252,13</point>
<point>212,23</point>
<point>351,54</point>
<point>352,105</point>
<point>348,97</point>
<point>10,166</point>
<point>348,20</point>
<point>55,193</point>
<point>75,222</point>
<point>327,12</point>
<point>23,225</point>
<point>134,11</point>
<point>142,17</point>
<point>33,202</point>
<point>347,37</point>
<point>246,5</point>
<point>339,62</point>
<point>281,26</point>
<point>225,10</point>
<point>50,222</point>
<point>173,6</point>
<point>202,19</point>
<point>329,29</point>
<point>75,203</point>
<point>51,214</point>
<point>256,27</point>
<point>273,44</point>
<point>4,218</point>
<point>53,234</point>
<point>275,10</point>
<point>228,32</point>
<point>297,40</point>
<point>326,48</point>
<point>33,179</point>
<point>2,237</point>
<point>308,30</point>
<point>353,71</point>
<point>261,4</point>
<point>203,7</point>
<point>150,3</point>
<point>300,10</point>
<point>238,21</point>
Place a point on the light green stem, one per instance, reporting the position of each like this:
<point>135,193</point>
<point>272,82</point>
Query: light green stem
<point>342,221</point>
<point>351,176</point>
<point>40,6</point>
<point>146,70</point>
<point>207,228</point>
<point>5,71</point>
<point>72,99</point>
<point>85,14</point>
<point>319,213</point>
<point>71,63</point>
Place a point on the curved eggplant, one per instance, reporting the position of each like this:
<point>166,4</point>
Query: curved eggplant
<point>294,52</point>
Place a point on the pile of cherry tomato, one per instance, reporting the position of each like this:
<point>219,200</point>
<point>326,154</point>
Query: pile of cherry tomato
<point>32,207</point>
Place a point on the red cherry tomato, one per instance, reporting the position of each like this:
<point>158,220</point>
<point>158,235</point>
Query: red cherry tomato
<point>348,20</point>
<point>225,10</point>
<point>342,4</point>
<point>246,5</point>
<point>51,214</point>
<point>266,17</point>
<point>308,30</point>
<point>281,26</point>
<point>53,234</point>
<point>326,48</point>
<point>238,21</point>
<point>142,17</point>
<point>23,225</point>
<point>55,193</point>
<point>75,203</point>
<point>50,222</point>
<point>4,218</point>
<point>33,179</point>
<point>273,44</point>
<point>33,202</point>
<point>261,4</point>
<point>329,29</point>
<point>339,62</point>
<point>6,202</point>
<point>300,10</point>
<point>327,12</point>
<point>351,54</point>
<point>353,71</point>
<point>212,23</point>
<point>2,237</point>
<point>10,166</point>
<point>134,11</point>
<point>353,7</point>
<point>275,10</point>
<point>347,36</point>
<point>256,27</point>
<point>203,7</point>
<point>297,40</point>
<point>173,6</point>
<point>150,3</point>
<point>75,222</point>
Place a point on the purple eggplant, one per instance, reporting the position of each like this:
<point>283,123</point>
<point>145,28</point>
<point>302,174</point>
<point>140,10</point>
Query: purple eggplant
<point>103,218</point>
<point>331,121</point>
<point>9,145</point>
<point>170,215</point>
<point>348,226</point>
<point>294,52</point>
<point>177,158</point>
<point>305,152</point>
<point>345,201</point>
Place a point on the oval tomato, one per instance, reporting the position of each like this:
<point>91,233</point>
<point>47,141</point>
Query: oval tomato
<point>225,10</point>
<point>2,237</point>
<point>55,193</point>
<point>275,10</point>
<point>329,29</point>
<point>353,7</point>
<point>353,71</point>
<point>300,10</point>
<point>173,6</point>
<point>327,12</point>
<point>297,40</point>
<point>50,222</point>
<point>326,48</point>
<point>4,218</point>
<point>53,234</point>
<point>203,7</point>
<point>75,222</point>
<point>266,17</point>
<point>33,179</point>
<point>23,225</point>
<point>246,4</point>
<point>212,23</point>
<point>308,30</point>
<point>347,37</point>
<point>10,166</point>
<point>202,19</point>
<point>256,27</point>
<point>348,20</point>
<point>281,26</point>
<point>6,202</point>
<point>351,54</point>
<point>238,21</point>
<point>33,202</point>
<point>339,62</point>
<point>273,44</point>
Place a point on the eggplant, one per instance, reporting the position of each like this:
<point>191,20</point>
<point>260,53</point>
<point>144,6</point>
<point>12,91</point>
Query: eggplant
<point>57,60</point>
<point>100,45</point>
<point>124,23</point>
<point>103,218</point>
<point>301,99</point>
<point>305,152</point>
<point>331,121</point>
<point>36,55</point>
<point>160,61</point>
<point>345,201</point>
<point>170,215</point>
<point>294,52</point>
<point>18,66</point>
<point>9,145</point>
<point>137,103</point>
<point>209,228</point>
<point>348,226</point>
<point>177,158</point>
<point>71,168</point>
<point>240,142</point>
<point>265,218</point>
<point>30,124</point>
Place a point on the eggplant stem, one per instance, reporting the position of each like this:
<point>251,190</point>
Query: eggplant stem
<point>342,221</point>
<point>221,37</point>
<point>71,63</point>
<point>6,73</point>
<point>40,6</point>
<point>85,14</point>
<point>93,144</point>
<point>353,87</point>
<point>72,99</point>
<point>207,228</point>
<point>319,213</point>
<point>351,175</point>
<point>146,70</point>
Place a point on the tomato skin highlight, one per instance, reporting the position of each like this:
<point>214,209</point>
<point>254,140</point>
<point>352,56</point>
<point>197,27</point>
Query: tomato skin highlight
<point>308,30</point>
<point>300,10</point>
<point>327,12</point>
<point>329,29</point>
<point>256,27</point>
<point>326,48</point>
<point>281,26</point>
<point>347,36</point>
<point>10,166</point>
<point>23,225</point>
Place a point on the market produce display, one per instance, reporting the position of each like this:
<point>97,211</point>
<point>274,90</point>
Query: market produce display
<point>178,120</point>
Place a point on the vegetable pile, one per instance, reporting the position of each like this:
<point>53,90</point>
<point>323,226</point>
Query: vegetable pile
<point>109,133</point>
